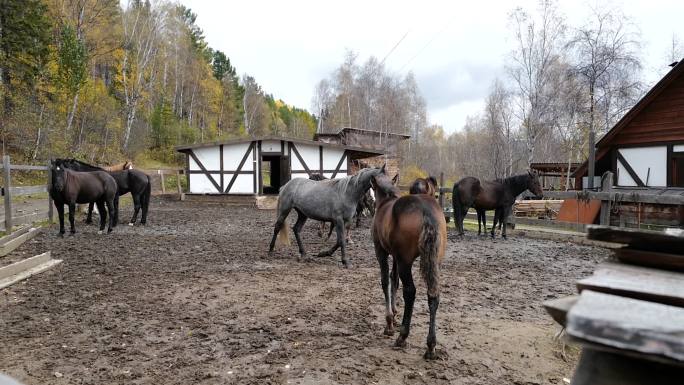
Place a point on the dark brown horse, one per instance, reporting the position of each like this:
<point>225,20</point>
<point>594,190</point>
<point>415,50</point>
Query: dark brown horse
<point>498,195</point>
<point>406,228</point>
<point>424,186</point>
<point>71,187</point>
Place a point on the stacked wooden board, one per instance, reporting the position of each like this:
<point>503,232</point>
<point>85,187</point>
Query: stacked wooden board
<point>629,315</point>
<point>542,209</point>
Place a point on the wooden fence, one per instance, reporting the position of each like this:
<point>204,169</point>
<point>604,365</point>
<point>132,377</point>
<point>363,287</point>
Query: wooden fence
<point>8,191</point>
<point>608,195</point>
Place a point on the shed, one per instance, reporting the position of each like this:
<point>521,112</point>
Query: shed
<point>645,148</point>
<point>260,166</point>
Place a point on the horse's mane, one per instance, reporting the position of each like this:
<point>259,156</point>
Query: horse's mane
<point>516,181</point>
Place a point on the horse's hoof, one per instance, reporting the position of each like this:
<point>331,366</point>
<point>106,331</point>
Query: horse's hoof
<point>347,264</point>
<point>61,235</point>
<point>72,233</point>
<point>323,254</point>
<point>400,342</point>
<point>430,355</point>
<point>109,231</point>
<point>388,331</point>
<point>100,232</point>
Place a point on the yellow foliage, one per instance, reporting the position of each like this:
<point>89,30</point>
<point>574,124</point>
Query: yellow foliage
<point>410,173</point>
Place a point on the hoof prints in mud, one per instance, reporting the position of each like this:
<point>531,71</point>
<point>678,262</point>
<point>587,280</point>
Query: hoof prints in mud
<point>193,297</point>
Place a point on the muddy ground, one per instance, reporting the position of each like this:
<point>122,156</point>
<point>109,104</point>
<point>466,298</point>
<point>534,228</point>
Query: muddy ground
<point>193,298</point>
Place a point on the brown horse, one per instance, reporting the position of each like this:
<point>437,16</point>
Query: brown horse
<point>424,186</point>
<point>406,228</point>
<point>498,195</point>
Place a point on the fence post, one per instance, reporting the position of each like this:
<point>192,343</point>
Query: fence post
<point>606,186</point>
<point>8,195</point>
<point>163,186</point>
<point>441,194</point>
<point>49,185</point>
<point>178,183</point>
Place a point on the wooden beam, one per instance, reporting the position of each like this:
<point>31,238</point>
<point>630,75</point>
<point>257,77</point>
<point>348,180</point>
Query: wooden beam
<point>664,261</point>
<point>12,241</point>
<point>629,169</point>
<point>646,240</point>
<point>299,157</point>
<point>559,308</point>
<point>637,282</point>
<point>242,163</point>
<point>8,192</point>
<point>23,269</point>
<point>628,324</point>
<point>208,175</point>
<point>599,366</point>
<point>339,165</point>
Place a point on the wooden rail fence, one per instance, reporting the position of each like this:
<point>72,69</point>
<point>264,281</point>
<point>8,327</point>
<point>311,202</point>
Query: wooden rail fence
<point>8,191</point>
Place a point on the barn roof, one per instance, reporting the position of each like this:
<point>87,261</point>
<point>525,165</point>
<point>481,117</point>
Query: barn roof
<point>342,130</point>
<point>604,144</point>
<point>651,95</point>
<point>357,151</point>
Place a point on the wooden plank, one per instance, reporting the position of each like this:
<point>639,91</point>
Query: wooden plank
<point>24,264</point>
<point>8,192</point>
<point>24,167</point>
<point>14,234</point>
<point>664,261</point>
<point>628,324</point>
<point>27,190</point>
<point>23,269</point>
<point>648,240</point>
<point>12,244</point>
<point>600,367</point>
<point>643,283</point>
<point>559,308</point>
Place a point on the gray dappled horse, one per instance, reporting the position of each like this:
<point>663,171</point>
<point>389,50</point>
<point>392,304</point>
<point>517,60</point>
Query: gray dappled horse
<point>333,200</point>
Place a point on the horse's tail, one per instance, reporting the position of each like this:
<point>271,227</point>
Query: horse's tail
<point>283,238</point>
<point>146,197</point>
<point>457,206</point>
<point>429,248</point>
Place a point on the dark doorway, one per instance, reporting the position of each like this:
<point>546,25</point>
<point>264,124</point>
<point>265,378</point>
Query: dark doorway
<point>678,169</point>
<point>275,172</point>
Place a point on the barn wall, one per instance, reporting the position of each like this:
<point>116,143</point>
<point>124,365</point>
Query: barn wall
<point>210,157</point>
<point>649,163</point>
<point>271,146</point>
<point>661,121</point>
<point>232,155</point>
<point>310,155</point>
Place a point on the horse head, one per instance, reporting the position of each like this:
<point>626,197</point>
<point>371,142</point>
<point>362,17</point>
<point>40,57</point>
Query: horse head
<point>58,174</point>
<point>533,183</point>
<point>364,177</point>
<point>384,187</point>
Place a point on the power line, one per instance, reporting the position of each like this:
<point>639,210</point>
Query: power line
<point>395,47</point>
<point>428,43</point>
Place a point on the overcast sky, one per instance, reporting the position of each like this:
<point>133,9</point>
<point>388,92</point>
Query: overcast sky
<point>454,48</point>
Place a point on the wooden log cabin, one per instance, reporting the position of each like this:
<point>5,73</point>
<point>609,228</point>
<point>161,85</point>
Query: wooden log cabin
<point>646,147</point>
<point>645,152</point>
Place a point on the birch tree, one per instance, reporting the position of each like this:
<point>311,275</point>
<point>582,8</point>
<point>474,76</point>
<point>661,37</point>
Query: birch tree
<point>142,24</point>
<point>538,41</point>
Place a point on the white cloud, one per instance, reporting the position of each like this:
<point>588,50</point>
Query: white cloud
<point>289,46</point>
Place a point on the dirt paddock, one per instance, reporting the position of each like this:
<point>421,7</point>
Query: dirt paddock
<point>193,298</point>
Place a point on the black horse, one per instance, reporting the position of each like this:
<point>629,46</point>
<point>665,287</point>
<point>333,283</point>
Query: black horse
<point>131,181</point>
<point>498,195</point>
<point>72,187</point>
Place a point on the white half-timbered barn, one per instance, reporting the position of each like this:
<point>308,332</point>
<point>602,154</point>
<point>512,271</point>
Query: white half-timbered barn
<point>257,166</point>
